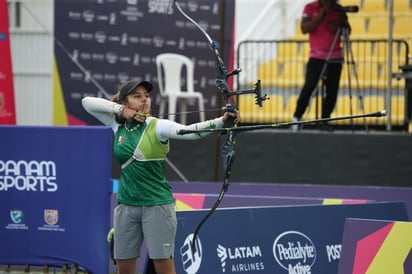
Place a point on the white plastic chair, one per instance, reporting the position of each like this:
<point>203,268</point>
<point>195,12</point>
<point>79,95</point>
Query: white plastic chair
<point>169,74</point>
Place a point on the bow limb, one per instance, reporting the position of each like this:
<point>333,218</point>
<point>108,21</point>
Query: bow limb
<point>209,39</point>
<point>228,152</point>
<point>213,45</point>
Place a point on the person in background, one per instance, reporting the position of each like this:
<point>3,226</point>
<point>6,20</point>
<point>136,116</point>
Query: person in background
<point>323,20</point>
<point>145,209</point>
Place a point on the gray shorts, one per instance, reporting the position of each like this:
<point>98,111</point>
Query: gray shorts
<point>156,225</point>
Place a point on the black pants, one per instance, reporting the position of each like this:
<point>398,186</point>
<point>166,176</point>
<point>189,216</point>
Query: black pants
<point>331,81</point>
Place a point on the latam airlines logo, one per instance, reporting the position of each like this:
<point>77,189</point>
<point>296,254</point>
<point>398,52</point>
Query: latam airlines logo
<point>294,252</point>
<point>240,258</point>
<point>28,176</point>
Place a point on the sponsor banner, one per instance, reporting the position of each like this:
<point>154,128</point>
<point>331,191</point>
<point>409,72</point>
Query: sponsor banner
<point>292,240</point>
<point>190,201</point>
<point>299,194</point>
<point>104,43</point>
<point>376,246</point>
<point>55,186</point>
<point>7,106</point>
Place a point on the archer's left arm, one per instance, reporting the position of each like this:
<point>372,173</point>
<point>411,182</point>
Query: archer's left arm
<point>167,129</point>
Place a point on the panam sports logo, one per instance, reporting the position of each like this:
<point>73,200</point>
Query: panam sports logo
<point>28,176</point>
<point>294,252</point>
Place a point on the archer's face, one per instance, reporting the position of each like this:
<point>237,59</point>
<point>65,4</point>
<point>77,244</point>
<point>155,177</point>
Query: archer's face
<point>139,100</point>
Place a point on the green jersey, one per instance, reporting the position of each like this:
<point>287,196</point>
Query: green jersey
<point>142,181</point>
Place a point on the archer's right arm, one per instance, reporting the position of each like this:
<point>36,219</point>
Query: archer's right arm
<point>102,109</point>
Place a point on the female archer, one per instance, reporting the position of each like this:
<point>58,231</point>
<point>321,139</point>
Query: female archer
<point>145,209</point>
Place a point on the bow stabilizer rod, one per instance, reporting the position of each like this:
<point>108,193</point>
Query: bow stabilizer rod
<point>380,113</point>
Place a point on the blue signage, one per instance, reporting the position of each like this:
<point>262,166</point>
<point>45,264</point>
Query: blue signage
<point>290,240</point>
<point>55,185</point>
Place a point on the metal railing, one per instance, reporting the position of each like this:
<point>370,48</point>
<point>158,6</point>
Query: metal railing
<point>366,84</point>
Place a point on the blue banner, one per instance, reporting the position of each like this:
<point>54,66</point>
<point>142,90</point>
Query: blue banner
<point>55,185</point>
<point>290,240</point>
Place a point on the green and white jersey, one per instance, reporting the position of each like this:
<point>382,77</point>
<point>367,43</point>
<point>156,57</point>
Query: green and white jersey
<point>142,181</point>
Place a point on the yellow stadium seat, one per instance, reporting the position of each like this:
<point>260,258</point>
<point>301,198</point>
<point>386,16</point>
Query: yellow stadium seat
<point>379,52</point>
<point>378,26</point>
<point>371,65</point>
<point>402,25</point>
<point>401,6</point>
<point>275,106</point>
<point>246,105</point>
<point>268,71</point>
<point>358,25</point>
<point>384,74</point>
<point>371,103</point>
<point>362,50</point>
<point>291,73</point>
<point>271,110</point>
<point>349,2</point>
<point>368,73</point>
<point>282,73</point>
<point>373,73</point>
<point>291,70</point>
<point>373,6</point>
<point>345,105</point>
<point>352,77</point>
<point>291,50</point>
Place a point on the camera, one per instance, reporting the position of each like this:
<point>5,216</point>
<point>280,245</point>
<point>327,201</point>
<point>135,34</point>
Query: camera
<point>344,9</point>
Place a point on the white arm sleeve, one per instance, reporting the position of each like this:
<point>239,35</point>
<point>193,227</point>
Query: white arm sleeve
<point>102,109</point>
<point>167,129</point>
